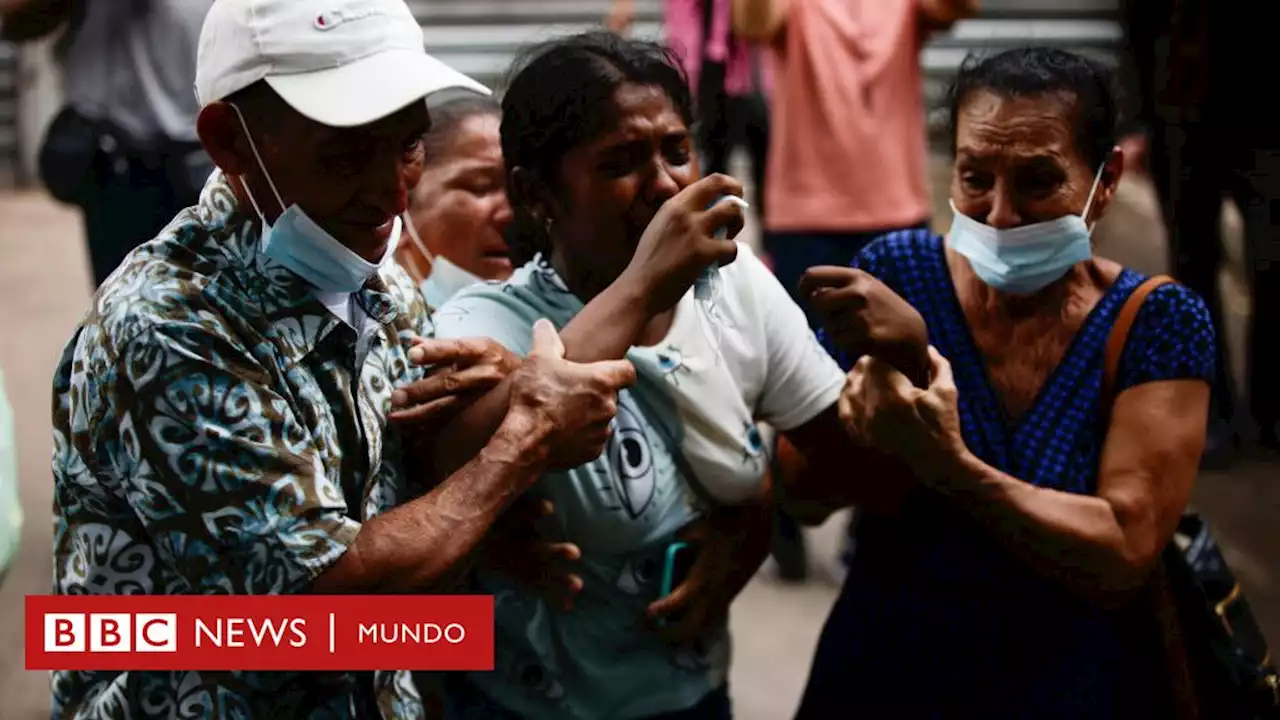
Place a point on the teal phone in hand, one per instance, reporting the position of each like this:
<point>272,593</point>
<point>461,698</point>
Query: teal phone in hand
<point>677,562</point>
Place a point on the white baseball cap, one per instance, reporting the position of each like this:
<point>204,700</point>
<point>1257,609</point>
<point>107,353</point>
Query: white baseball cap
<point>341,63</point>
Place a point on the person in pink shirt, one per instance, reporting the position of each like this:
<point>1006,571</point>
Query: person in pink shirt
<point>848,156</point>
<point>847,161</point>
<point>728,78</point>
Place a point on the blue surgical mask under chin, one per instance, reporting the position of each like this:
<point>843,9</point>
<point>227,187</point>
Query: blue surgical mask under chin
<point>446,277</point>
<point>298,243</point>
<point>1025,259</point>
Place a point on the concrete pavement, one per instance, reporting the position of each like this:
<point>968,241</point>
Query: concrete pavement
<point>44,281</point>
<point>43,291</point>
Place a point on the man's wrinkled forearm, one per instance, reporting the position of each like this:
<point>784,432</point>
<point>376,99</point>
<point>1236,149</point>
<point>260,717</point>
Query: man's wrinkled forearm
<point>416,546</point>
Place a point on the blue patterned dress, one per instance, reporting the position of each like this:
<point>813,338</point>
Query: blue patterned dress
<point>937,618</point>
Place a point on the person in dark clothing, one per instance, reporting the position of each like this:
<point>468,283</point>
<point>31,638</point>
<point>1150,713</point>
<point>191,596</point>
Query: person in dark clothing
<point>123,149</point>
<point>1210,139</point>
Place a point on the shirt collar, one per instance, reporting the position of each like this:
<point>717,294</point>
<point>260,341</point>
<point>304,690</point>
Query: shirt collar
<point>299,317</point>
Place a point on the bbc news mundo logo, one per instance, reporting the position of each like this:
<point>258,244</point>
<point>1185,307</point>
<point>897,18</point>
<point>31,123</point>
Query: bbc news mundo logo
<point>302,632</point>
<point>110,632</point>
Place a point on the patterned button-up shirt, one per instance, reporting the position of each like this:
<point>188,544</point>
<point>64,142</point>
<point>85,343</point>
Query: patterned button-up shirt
<point>218,430</point>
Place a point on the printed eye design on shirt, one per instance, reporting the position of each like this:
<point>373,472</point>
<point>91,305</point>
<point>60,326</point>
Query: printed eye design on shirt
<point>637,575</point>
<point>671,362</point>
<point>753,446</point>
<point>631,461</point>
<point>540,683</point>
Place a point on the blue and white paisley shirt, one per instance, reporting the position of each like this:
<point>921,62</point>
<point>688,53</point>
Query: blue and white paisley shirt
<point>217,429</point>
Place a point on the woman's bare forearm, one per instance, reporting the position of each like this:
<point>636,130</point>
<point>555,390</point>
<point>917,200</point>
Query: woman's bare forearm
<point>824,470</point>
<point>609,325</point>
<point>605,329</point>
<point>1074,540</point>
<point>1103,546</point>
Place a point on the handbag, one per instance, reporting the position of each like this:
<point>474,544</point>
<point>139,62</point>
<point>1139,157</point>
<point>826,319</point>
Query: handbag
<point>1215,657</point>
<point>66,157</point>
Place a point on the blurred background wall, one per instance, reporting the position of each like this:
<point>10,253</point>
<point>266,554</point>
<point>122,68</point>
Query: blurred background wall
<point>480,37</point>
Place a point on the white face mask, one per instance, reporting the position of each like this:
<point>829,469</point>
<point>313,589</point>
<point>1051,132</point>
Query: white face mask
<point>298,243</point>
<point>1024,259</point>
<point>446,278</point>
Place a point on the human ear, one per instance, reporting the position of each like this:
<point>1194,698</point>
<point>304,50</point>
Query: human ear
<point>223,137</point>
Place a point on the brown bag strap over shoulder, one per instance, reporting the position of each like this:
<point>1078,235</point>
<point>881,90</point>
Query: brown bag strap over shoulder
<point>1158,602</point>
<point>1120,333</point>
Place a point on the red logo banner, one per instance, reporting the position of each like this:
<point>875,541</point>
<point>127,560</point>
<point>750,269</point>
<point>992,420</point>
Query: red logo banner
<point>259,632</point>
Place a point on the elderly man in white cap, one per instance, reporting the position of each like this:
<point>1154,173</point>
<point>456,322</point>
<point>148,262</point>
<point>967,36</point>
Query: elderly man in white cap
<point>221,414</point>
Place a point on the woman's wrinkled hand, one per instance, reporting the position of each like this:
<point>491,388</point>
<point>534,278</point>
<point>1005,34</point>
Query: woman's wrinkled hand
<point>731,544</point>
<point>863,316</point>
<point>881,408</point>
<point>514,548</point>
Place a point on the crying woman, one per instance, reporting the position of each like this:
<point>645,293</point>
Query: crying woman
<point>458,213</point>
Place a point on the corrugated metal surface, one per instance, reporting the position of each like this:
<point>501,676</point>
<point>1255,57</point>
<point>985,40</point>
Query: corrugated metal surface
<point>8,115</point>
<point>1090,27</point>
<point>481,37</point>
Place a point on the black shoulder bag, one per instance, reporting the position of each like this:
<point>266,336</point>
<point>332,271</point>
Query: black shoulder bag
<point>1215,657</point>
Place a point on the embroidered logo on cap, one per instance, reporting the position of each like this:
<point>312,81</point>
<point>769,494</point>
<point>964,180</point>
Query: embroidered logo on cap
<point>330,19</point>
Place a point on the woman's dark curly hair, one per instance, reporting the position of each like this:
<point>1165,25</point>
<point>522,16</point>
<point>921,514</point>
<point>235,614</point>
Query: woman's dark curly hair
<point>447,117</point>
<point>1035,71</point>
<point>559,96</point>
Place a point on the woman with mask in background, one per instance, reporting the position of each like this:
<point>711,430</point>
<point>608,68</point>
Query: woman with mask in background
<point>458,213</point>
<point>1003,586</point>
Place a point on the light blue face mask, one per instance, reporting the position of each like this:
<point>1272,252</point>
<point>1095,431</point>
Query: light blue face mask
<point>295,241</point>
<point>446,277</point>
<point>1024,259</point>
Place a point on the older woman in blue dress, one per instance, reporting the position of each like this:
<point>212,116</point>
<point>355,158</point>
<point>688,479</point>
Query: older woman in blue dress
<point>1002,587</point>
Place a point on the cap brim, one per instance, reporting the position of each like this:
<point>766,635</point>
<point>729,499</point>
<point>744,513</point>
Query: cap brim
<point>370,88</point>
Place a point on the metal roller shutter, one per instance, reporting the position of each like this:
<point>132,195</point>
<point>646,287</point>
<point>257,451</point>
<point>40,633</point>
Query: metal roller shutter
<point>8,116</point>
<point>481,37</point>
